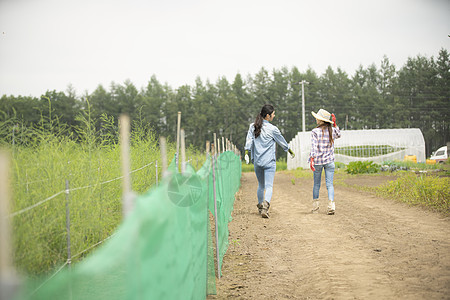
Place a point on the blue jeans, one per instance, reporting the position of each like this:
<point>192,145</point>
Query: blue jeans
<point>329,173</point>
<point>265,175</point>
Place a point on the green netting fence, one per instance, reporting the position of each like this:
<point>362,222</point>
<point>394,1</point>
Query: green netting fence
<point>163,249</point>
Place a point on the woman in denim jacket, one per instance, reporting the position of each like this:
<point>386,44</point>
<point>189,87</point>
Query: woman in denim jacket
<point>261,142</point>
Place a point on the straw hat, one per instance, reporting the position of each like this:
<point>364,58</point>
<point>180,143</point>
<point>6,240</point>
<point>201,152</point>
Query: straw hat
<point>322,115</point>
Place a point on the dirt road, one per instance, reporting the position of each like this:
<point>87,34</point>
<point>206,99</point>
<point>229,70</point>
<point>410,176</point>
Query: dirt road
<point>372,248</point>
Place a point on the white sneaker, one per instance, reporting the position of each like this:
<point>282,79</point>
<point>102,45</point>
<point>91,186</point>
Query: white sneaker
<point>315,209</point>
<point>331,208</point>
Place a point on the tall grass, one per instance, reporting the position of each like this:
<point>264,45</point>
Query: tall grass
<point>424,190</point>
<point>91,164</point>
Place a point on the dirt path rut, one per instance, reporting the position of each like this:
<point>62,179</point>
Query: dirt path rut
<point>372,248</point>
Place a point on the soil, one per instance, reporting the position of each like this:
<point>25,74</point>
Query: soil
<point>372,248</point>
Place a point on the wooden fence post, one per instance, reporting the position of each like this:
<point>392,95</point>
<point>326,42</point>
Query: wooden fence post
<point>163,149</point>
<point>127,197</point>
<point>69,255</point>
<point>177,158</point>
<point>215,210</point>
<point>156,168</point>
<point>8,278</point>
<point>208,147</point>
<point>183,152</point>
<point>218,146</point>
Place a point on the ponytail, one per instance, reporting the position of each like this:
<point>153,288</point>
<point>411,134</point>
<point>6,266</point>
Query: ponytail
<point>265,110</point>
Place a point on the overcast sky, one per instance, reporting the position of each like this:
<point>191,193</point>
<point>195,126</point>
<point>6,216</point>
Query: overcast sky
<point>49,44</point>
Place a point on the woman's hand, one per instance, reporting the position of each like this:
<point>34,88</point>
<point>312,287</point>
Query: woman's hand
<point>311,164</point>
<point>333,118</point>
<point>291,153</point>
<point>247,159</point>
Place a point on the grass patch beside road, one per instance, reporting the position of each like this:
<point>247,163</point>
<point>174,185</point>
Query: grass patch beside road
<point>424,190</point>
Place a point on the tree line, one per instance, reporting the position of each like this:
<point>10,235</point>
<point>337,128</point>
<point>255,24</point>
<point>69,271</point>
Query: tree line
<point>417,95</point>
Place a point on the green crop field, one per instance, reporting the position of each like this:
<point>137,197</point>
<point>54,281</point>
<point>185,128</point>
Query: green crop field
<point>44,158</point>
<point>366,150</point>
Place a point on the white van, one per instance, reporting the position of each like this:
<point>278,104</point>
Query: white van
<point>440,155</point>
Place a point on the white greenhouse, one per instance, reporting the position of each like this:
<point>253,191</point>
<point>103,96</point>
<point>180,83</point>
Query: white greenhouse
<point>376,145</point>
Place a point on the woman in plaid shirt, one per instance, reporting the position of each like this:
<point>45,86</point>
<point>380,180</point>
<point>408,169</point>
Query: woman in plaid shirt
<point>322,156</point>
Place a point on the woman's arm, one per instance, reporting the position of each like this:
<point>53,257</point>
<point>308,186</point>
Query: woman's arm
<point>314,144</point>
<point>280,139</point>
<point>249,139</point>
<point>336,132</point>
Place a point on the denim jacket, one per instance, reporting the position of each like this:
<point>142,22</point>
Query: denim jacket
<point>263,147</point>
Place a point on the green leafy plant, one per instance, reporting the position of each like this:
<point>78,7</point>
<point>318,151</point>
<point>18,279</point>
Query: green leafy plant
<point>362,167</point>
<point>339,165</point>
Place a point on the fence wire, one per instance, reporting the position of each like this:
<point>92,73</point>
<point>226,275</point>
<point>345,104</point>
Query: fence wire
<point>71,190</point>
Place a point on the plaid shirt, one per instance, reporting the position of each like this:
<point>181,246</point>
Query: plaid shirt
<point>321,149</point>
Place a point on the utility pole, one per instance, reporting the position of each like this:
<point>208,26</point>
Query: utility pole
<point>303,82</point>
